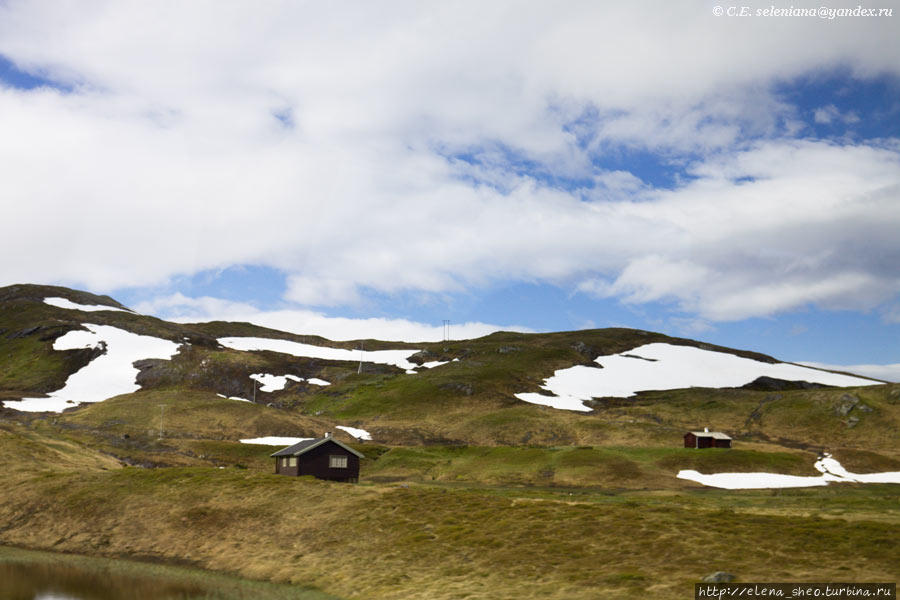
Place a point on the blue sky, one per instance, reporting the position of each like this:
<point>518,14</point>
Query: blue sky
<point>372,172</point>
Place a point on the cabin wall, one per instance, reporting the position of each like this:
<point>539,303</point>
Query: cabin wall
<point>705,442</point>
<point>316,463</point>
<point>281,470</point>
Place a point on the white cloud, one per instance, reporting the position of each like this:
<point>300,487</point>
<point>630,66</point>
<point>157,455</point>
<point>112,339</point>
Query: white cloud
<point>182,309</point>
<point>811,225</point>
<point>826,114</point>
<point>169,156</point>
<point>830,113</point>
<point>892,314</point>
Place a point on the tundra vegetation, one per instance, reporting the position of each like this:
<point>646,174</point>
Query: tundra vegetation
<point>465,492</point>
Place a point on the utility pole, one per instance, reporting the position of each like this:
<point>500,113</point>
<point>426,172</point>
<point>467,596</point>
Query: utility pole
<point>446,330</point>
<point>162,410</point>
<point>361,346</point>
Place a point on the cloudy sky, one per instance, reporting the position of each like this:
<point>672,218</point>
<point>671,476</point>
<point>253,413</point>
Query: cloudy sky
<point>372,168</point>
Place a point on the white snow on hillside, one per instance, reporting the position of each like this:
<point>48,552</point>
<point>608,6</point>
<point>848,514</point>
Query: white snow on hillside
<point>106,376</point>
<point>752,481</point>
<point>65,303</point>
<point>667,367</point>
<point>274,383</point>
<point>398,358</point>
<point>275,441</point>
<point>437,363</point>
<point>360,434</point>
<point>832,472</point>
<point>238,398</point>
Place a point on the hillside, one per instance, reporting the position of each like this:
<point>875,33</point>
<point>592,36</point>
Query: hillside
<point>474,486</point>
<point>459,392</point>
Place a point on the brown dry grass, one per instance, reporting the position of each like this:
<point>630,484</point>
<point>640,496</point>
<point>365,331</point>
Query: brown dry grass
<point>439,542</point>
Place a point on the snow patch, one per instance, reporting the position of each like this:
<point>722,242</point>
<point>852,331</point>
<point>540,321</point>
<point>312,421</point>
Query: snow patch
<point>832,472</point>
<point>752,481</point>
<point>668,367</point>
<point>274,383</point>
<point>65,303</point>
<point>275,441</point>
<point>434,363</point>
<point>360,434</point>
<point>559,401</point>
<point>108,375</point>
<point>397,358</point>
<point>239,399</point>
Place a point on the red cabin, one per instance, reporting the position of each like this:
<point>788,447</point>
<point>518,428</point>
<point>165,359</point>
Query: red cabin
<point>706,439</point>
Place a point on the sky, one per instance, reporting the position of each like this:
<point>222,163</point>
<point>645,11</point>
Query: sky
<point>372,169</point>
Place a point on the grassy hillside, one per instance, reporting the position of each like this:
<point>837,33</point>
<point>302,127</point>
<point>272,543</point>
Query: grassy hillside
<point>466,491</point>
<point>448,541</point>
<point>468,401</point>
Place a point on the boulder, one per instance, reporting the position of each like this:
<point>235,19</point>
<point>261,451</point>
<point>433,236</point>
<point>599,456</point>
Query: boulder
<point>465,389</point>
<point>422,356</point>
<point>845,404</point>
<point>588,352</point>
<point>765,383</point>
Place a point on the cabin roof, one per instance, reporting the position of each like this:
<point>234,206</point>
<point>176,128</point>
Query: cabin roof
<point>307,445</point>
<point>717,435</point>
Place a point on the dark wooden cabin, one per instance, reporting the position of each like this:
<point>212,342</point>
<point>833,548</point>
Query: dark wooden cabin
<point>706,439</point>
<point>324,458</point>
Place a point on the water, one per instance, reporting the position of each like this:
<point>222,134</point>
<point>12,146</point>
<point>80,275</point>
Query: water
<point>33,575</point>
<point>63,582</point>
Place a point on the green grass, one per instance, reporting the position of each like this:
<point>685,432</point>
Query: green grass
<point>604,467</point>
<point>190,413</point>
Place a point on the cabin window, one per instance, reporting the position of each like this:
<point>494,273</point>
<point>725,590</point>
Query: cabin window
<point>292,461</point>
<point>284,461</point>
<point>337,462</point>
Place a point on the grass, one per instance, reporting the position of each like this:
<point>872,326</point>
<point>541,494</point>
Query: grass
<point>378,541</point>
<point>190,413</point>
<point>601,467</point>
<point>469,522</point>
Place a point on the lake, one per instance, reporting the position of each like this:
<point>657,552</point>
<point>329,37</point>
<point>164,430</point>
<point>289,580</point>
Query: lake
<point>41,581</point>
<point>32,575</point>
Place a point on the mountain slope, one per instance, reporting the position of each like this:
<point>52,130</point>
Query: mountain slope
<point>463,392</point>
